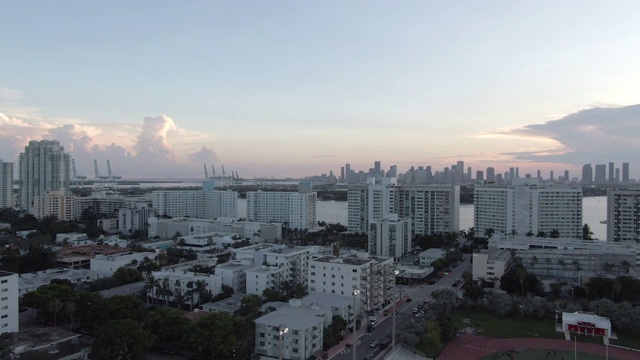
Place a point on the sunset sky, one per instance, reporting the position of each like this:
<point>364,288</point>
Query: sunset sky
<point>296,88</point>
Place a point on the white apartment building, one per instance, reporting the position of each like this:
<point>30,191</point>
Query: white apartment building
<point>390,237</point>
<point>428,256</point>
<point>291,332</point>
<point>293,260</point>
<point>233,275</point>
<point>182,283</point>
<point>430,208</point>
<point>490,265</point>
<point>167,228</point>
<point>196,203</point>
<point>260,278</point>
<point>528,208</point>
<point>108,203</point>
<point>43,167</point>
<point>132,219</point>
<point>54,203</point>
<point>6,185</point>
<point>9,320</point>
<point>108,264</point>
<point>295,210</point>
<point>623,215</point>
<point>372,276</point>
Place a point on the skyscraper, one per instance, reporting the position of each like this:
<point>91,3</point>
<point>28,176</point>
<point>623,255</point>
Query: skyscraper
<point>587,174</point>
<point>491,174</point>
<point>611,172</point>
<point>625,172</point>
<point>601,173</point>
<point>44,167</point>
<point>6,184</point>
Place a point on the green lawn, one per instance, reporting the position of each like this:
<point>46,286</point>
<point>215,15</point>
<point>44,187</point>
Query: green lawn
<point>541,354</point>
<point>494,326</point>
<point>491,325</point>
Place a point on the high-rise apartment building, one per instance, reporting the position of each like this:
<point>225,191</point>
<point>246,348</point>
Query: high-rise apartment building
<point>623,215</point>
<point>44,167</point>
<point>528,208</point>
<point>295,210</point>
<point>6,184</point>
<point>430,208</point>
<point>625,172</point>
<point>390,237</point>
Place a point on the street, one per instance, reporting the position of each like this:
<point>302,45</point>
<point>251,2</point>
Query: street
<point>384,326</point>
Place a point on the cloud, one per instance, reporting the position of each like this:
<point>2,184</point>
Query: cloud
<point>152,140</point>
<point>203,156</point>
<point>144,151</point>
<point>596,135</point>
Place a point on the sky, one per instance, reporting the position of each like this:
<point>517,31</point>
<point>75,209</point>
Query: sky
<point>297,88</point>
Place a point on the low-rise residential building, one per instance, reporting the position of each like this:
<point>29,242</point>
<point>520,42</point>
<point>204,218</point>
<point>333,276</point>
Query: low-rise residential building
<point>390,236</point>
<point>229,305</point>
<point>490,265</point>
<point>167,228</point>
<point>183,285</point>
<point>566,259</point>
<point>108,264</point>
<point>265,277</point>
<point>428,256</point>
<point>79,257</point>
<point>294,262</point>
<point>294,332</point>
<point>32,281</point>
<point>233,274</point>
<point>9,294</point>
<point>373,277</point>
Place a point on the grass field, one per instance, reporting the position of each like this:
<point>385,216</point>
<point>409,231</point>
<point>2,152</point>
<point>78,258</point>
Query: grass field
<point>494,326</point>
<point>542,354</point>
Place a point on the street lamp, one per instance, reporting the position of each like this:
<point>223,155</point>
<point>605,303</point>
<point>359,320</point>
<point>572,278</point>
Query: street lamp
<point>282,330</point>
<point>356,292</point>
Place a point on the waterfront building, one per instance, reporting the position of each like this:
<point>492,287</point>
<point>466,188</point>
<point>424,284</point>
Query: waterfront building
<point>196,203</point>
<point>43,167</point>
<point>296,210</point>
<point>167,228</point>
<point>587,174</point>
<point>528,208</point>
<point>623,215</point>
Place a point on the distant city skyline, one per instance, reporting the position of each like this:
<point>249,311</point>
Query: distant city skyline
<point>289,89</point>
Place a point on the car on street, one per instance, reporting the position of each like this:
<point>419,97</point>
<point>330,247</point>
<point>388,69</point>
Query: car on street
<point>374,343</point>
<point>373,321</point>
<point>369,357</point>
<point>415,310</point>
<point>385,343</point>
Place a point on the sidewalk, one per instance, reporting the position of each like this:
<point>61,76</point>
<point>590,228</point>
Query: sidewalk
<point>363,327</point>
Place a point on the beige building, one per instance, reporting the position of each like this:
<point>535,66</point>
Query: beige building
<point>54,203</point>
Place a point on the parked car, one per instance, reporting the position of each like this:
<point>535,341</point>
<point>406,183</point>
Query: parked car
<point>374,343</point>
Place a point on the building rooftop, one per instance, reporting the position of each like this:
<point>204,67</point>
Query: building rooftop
<point>229,305</point>
<point>356,261</point>
<point>294,318</point>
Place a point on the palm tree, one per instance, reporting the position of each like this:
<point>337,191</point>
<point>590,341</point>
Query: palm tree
<point>200,288</point>
<point>151,285</point>
<point>70,309</point>
<point>54,306</point>
<point>179,298</point>
<point>548,262</point>
<point>626,265</point>
<point>617,286</point>
<point>165,291</point>
<point>521,274</point>
<point>562,263</point>
<point>534,260</point>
